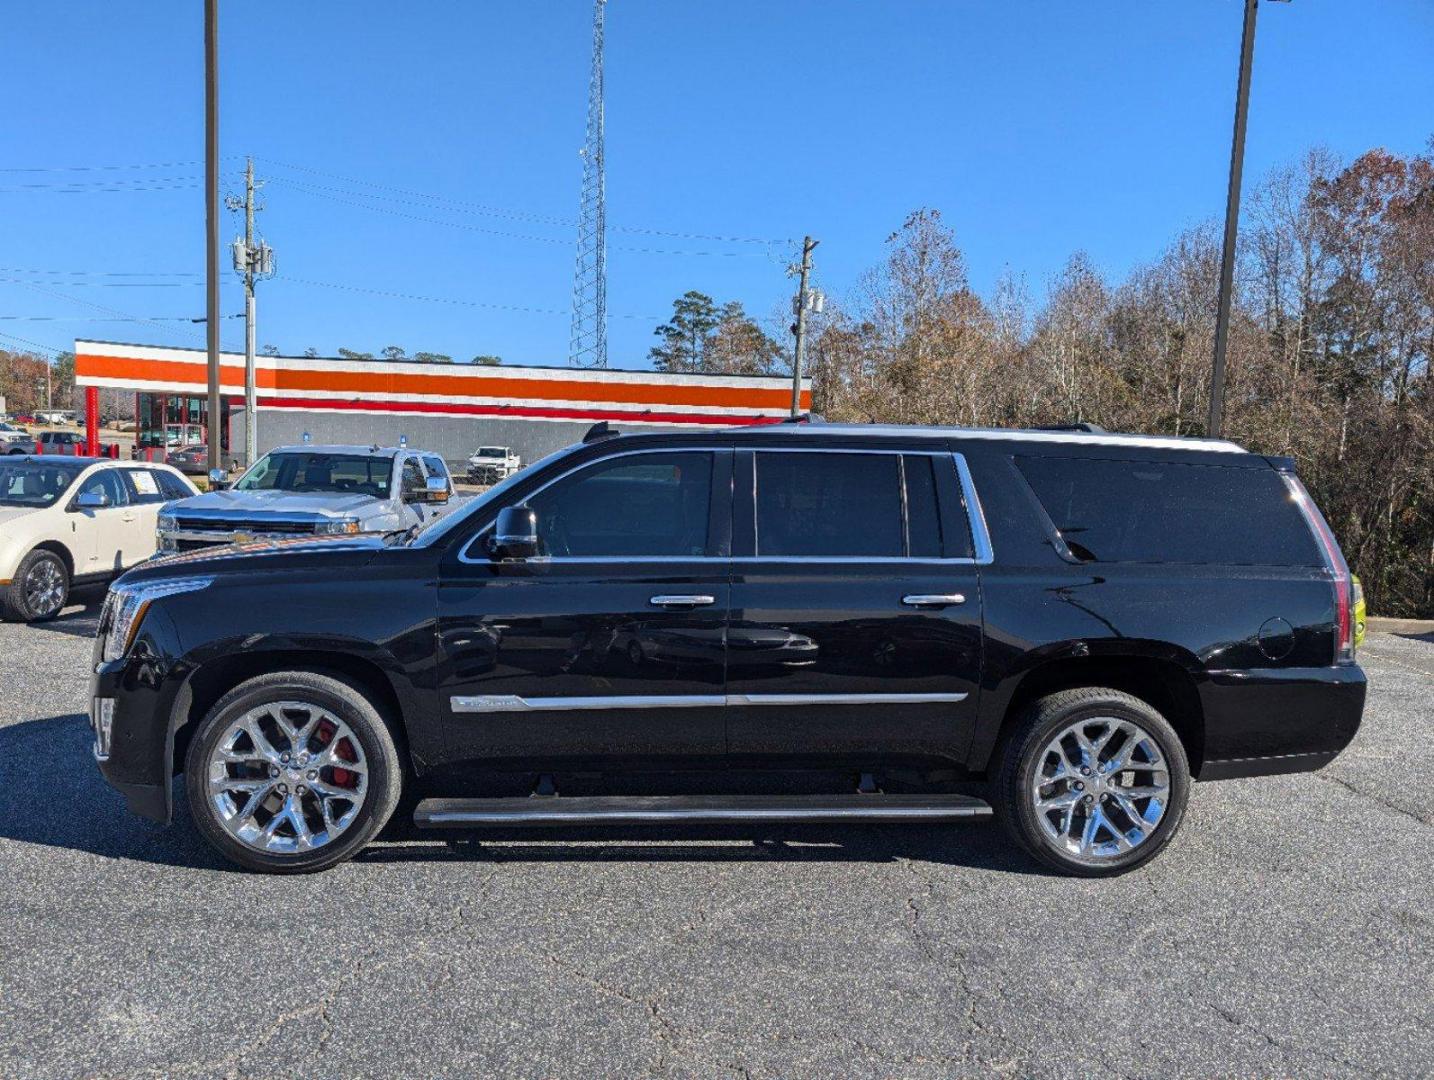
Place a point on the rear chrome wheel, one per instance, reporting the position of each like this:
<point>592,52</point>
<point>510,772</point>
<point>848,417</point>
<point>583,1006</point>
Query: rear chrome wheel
<point>1091,781</point>
<point>287,777</point>
<point>292,772</point>
<point>1100,788</point>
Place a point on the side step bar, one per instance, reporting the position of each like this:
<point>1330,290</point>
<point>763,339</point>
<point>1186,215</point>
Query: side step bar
<point>701,809</point>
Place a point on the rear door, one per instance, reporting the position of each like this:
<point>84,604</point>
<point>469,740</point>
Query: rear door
<point>856,609</point>
<point>608,646</point>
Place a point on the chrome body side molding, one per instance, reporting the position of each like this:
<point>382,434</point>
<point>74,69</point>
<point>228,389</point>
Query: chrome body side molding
<point>506,703</point>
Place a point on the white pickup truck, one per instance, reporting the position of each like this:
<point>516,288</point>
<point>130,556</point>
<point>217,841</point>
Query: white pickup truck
<point>489,464</point>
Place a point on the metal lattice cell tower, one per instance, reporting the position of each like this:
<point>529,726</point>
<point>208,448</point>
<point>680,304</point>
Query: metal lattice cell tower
<point>587,346</point>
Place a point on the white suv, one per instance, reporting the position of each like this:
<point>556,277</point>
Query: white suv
<point>75,521</point>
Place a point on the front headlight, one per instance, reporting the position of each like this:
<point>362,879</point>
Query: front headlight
<point>167,523</point>
<point>340,525</point>
<point>126,605</point>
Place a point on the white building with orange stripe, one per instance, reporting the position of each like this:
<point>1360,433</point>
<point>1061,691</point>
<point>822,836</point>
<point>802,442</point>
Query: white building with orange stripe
<point>448,408</point>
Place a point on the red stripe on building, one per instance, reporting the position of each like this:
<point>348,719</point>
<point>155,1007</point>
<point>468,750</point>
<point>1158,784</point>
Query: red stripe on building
<point>456,409</point>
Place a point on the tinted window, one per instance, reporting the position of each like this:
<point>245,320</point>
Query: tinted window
<point>434,467</point>
<point>829,504</point>
<point>108,483</point>
<point>643,505</point>
<point>923,523</point>
<point>1135,511</point>
<point>144,486</point>
<point>172,486</point>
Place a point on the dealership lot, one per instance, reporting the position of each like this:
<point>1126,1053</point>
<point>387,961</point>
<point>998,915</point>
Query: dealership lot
<point>1287,931</point>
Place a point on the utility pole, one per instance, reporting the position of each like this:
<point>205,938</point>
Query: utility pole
<point>804,301</point>
<point>211,216</point>
<point>1232,222</point>
<point>250,261</point>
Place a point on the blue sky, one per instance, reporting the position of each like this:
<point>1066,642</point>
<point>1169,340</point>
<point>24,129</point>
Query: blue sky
<point>1037,127</point>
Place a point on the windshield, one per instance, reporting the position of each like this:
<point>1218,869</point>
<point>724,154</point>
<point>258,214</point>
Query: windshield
<point>492,451</point>
<point>304,470</point>
<point>33,484</point>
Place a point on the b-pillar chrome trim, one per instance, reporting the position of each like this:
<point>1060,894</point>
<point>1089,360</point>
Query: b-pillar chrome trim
<point>508,703</point>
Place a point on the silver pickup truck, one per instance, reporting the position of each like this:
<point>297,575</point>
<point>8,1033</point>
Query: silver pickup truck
<point>313,491</point>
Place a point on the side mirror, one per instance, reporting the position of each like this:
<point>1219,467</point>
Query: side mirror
<point>434,490</point>
<point>91,500</point>
<point>218,480</point>
<point>515,535</point>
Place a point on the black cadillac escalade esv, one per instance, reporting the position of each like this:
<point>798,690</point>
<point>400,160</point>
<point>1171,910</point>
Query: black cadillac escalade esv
<point>800,622</point>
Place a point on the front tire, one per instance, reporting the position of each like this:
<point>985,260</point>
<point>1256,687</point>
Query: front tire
<point>1093,782</point>
<point>292,773</point>
<point>39,589</point>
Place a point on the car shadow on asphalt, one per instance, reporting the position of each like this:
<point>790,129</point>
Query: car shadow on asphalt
<point>51,793</point>
<point>81,619</point>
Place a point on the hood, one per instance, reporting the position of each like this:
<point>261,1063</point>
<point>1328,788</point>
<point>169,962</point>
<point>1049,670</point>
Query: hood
<point>230,504</point>
<point>321,552</point>
<point>12,513</point>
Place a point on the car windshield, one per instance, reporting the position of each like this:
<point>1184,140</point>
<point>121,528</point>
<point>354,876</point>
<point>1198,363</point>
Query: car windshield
<point>306,470</point>
<point>34,484</point>
<point>492,451</point>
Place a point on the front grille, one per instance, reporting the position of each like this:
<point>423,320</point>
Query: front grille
<point>218,525</point>
<point>196,545</point>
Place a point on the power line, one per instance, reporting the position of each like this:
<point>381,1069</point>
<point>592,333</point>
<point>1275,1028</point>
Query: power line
<point>33,344</point>
<point>464,206</point>
<point>99,273</point>
<point>103,168</point>
<point>109,284</point>
<point>456,302</point>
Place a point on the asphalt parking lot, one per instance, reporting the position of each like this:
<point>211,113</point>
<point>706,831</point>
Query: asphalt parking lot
<point>1289,930</point>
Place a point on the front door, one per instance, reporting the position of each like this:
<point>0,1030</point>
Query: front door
<point>608,646</point>
<point>856,609</point>
<point>103,535</point>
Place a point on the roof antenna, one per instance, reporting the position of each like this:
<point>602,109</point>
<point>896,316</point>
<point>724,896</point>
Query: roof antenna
<point>601,430</point>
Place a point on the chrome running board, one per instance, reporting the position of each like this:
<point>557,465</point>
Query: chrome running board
<point>695,809</point>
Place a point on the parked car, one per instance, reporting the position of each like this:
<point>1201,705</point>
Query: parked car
<point>191,460</point>
<point>490,464</point>
<point>932,623</point>
<point>314,491</point>
<point>67,521</point>
<point>60,442</point>
<point>16,440</point>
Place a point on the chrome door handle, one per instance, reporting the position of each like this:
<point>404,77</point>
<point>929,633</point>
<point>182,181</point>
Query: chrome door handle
<point>933,600</point>
<point>682,601</point>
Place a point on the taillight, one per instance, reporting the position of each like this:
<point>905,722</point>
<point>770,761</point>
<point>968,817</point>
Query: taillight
<point>1334,561</point>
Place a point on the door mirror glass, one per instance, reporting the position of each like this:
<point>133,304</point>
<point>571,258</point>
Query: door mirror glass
<point>515,536</point>
<point>218,480</point>
<point>91,500</point>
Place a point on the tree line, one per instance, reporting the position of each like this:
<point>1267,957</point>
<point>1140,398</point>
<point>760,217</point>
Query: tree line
<point>1328,362</point>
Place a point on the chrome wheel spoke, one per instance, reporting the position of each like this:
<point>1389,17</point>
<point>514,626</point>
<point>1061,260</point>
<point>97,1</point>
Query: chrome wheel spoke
<point>270,794</point>
<point>1089,815</point>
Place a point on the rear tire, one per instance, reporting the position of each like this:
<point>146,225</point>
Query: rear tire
<point>306,815</point>
<point>38,591</point>
<point>1092,782</point>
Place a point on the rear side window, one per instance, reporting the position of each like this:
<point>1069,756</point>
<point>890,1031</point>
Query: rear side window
<point>923,521</point>
<point>1157,512</point>
<point>829,505</point>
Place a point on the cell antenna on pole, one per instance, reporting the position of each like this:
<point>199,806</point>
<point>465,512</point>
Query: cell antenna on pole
<point>587,346</point>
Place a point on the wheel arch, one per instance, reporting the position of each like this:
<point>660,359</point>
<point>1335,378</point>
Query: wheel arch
<point>1164,684</point>
<point>57,548</point>
<point>212,680</point>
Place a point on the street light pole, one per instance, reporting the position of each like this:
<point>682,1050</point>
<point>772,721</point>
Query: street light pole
<point>1232,222</point>
<point>211,215</point>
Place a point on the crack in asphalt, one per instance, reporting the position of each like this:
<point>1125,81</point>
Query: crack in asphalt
<point>1378,800</point>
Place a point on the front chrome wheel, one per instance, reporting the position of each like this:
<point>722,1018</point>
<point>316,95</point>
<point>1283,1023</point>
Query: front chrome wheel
<point>1100,788</point>
<point>287,777</point>
<point>45,588</point>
